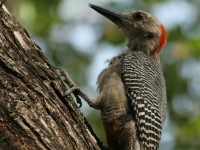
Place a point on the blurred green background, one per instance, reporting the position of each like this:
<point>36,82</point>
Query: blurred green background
<point>76,38</point>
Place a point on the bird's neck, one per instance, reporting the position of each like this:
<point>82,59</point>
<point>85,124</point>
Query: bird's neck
<point>148,51</point>
<point>136,45</point>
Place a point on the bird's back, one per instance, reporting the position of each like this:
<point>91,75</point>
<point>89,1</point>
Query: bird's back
<point>145,87</point>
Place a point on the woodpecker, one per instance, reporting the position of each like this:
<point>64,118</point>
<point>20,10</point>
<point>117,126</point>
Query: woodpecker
<point>132,93</point>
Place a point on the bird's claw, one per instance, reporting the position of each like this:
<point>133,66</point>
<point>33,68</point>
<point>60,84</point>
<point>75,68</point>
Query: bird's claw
<point>78,100</point>
<point>74,90</point>
<point>71,90</point>
<point>77,92</point>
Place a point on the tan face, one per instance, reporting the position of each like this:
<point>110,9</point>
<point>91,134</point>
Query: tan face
<point>142,26</point>
<point>140,22</point>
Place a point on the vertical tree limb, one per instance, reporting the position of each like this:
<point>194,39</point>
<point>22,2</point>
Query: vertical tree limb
<point>33,112</point>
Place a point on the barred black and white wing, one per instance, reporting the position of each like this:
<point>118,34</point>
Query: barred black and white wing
<point>145,87</point>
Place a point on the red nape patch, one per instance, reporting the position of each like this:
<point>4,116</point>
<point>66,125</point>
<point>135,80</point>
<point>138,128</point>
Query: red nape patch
<point>163,39</point>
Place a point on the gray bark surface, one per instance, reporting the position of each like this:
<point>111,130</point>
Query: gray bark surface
<point>33,112</point>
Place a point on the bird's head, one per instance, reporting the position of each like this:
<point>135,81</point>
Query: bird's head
<point>144,31</point>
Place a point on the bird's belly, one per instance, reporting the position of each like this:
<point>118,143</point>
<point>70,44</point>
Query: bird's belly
<point>115,103</point>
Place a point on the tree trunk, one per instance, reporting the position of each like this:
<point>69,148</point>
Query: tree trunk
<point>33,112</point>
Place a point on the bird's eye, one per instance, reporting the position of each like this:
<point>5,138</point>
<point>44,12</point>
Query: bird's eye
<point>149,35</point>
<point>138,16</point>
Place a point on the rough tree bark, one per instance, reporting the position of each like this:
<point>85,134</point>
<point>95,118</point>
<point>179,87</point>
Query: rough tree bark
<point>33,112</point>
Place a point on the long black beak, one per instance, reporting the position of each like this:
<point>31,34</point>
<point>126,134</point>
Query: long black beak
<point>115,17</point>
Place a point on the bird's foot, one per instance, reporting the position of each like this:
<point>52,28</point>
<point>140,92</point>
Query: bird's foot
<point>73,88</point>
<point>75,91</point>
<point>70,90</point>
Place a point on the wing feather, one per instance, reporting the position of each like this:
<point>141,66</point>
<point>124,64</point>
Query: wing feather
<point>145,88</point>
